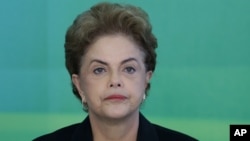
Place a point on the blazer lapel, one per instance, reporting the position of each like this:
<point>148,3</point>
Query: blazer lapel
<point>146,131</point>
<point>83,132</point>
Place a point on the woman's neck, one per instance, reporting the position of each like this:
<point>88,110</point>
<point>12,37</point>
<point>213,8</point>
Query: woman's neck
<point>124,129</point>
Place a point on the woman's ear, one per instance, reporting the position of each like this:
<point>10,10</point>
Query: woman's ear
<point>76,81</point>
<point>148,77</point>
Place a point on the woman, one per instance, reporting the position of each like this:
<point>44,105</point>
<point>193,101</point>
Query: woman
<point>110,56</point>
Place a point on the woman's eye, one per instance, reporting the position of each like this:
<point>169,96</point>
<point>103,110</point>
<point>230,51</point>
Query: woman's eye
<point>130,70</point>
<point>99,70</point>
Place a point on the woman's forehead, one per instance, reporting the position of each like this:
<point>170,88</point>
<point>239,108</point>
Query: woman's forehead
<point>114,47</point>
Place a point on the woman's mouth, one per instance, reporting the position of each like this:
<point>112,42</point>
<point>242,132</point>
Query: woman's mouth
<point>116,97</point>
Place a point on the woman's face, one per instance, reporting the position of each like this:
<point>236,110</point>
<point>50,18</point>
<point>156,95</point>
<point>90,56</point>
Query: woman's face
<point>112,78</point>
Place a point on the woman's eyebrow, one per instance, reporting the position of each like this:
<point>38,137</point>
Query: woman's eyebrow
<point>128,60</point>
<point>105,63</point>
<point>98,61</point>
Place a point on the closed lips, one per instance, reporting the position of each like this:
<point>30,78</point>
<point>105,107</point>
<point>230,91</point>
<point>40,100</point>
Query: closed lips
<point>115,96</point>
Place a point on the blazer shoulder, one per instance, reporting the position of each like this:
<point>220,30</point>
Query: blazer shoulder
<point>171,135</point>
<point>63,134</point>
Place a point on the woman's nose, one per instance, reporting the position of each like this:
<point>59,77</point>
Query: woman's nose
<point>114,85</point>
<point>115,81</point>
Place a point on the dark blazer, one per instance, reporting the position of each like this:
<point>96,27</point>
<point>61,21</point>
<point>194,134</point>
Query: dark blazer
<point>146,132</point>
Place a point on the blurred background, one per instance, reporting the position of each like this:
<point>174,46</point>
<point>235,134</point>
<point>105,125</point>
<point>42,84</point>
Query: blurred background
<point>200,87</point>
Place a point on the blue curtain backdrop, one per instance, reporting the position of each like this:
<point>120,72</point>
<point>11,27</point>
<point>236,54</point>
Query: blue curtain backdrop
<point>202,76</point>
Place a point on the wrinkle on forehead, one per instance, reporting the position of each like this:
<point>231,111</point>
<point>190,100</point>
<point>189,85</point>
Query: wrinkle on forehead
<point>113,47</point>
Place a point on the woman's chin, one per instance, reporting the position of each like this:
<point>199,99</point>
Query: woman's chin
<point>116,113</point>
<point>119,112</point>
